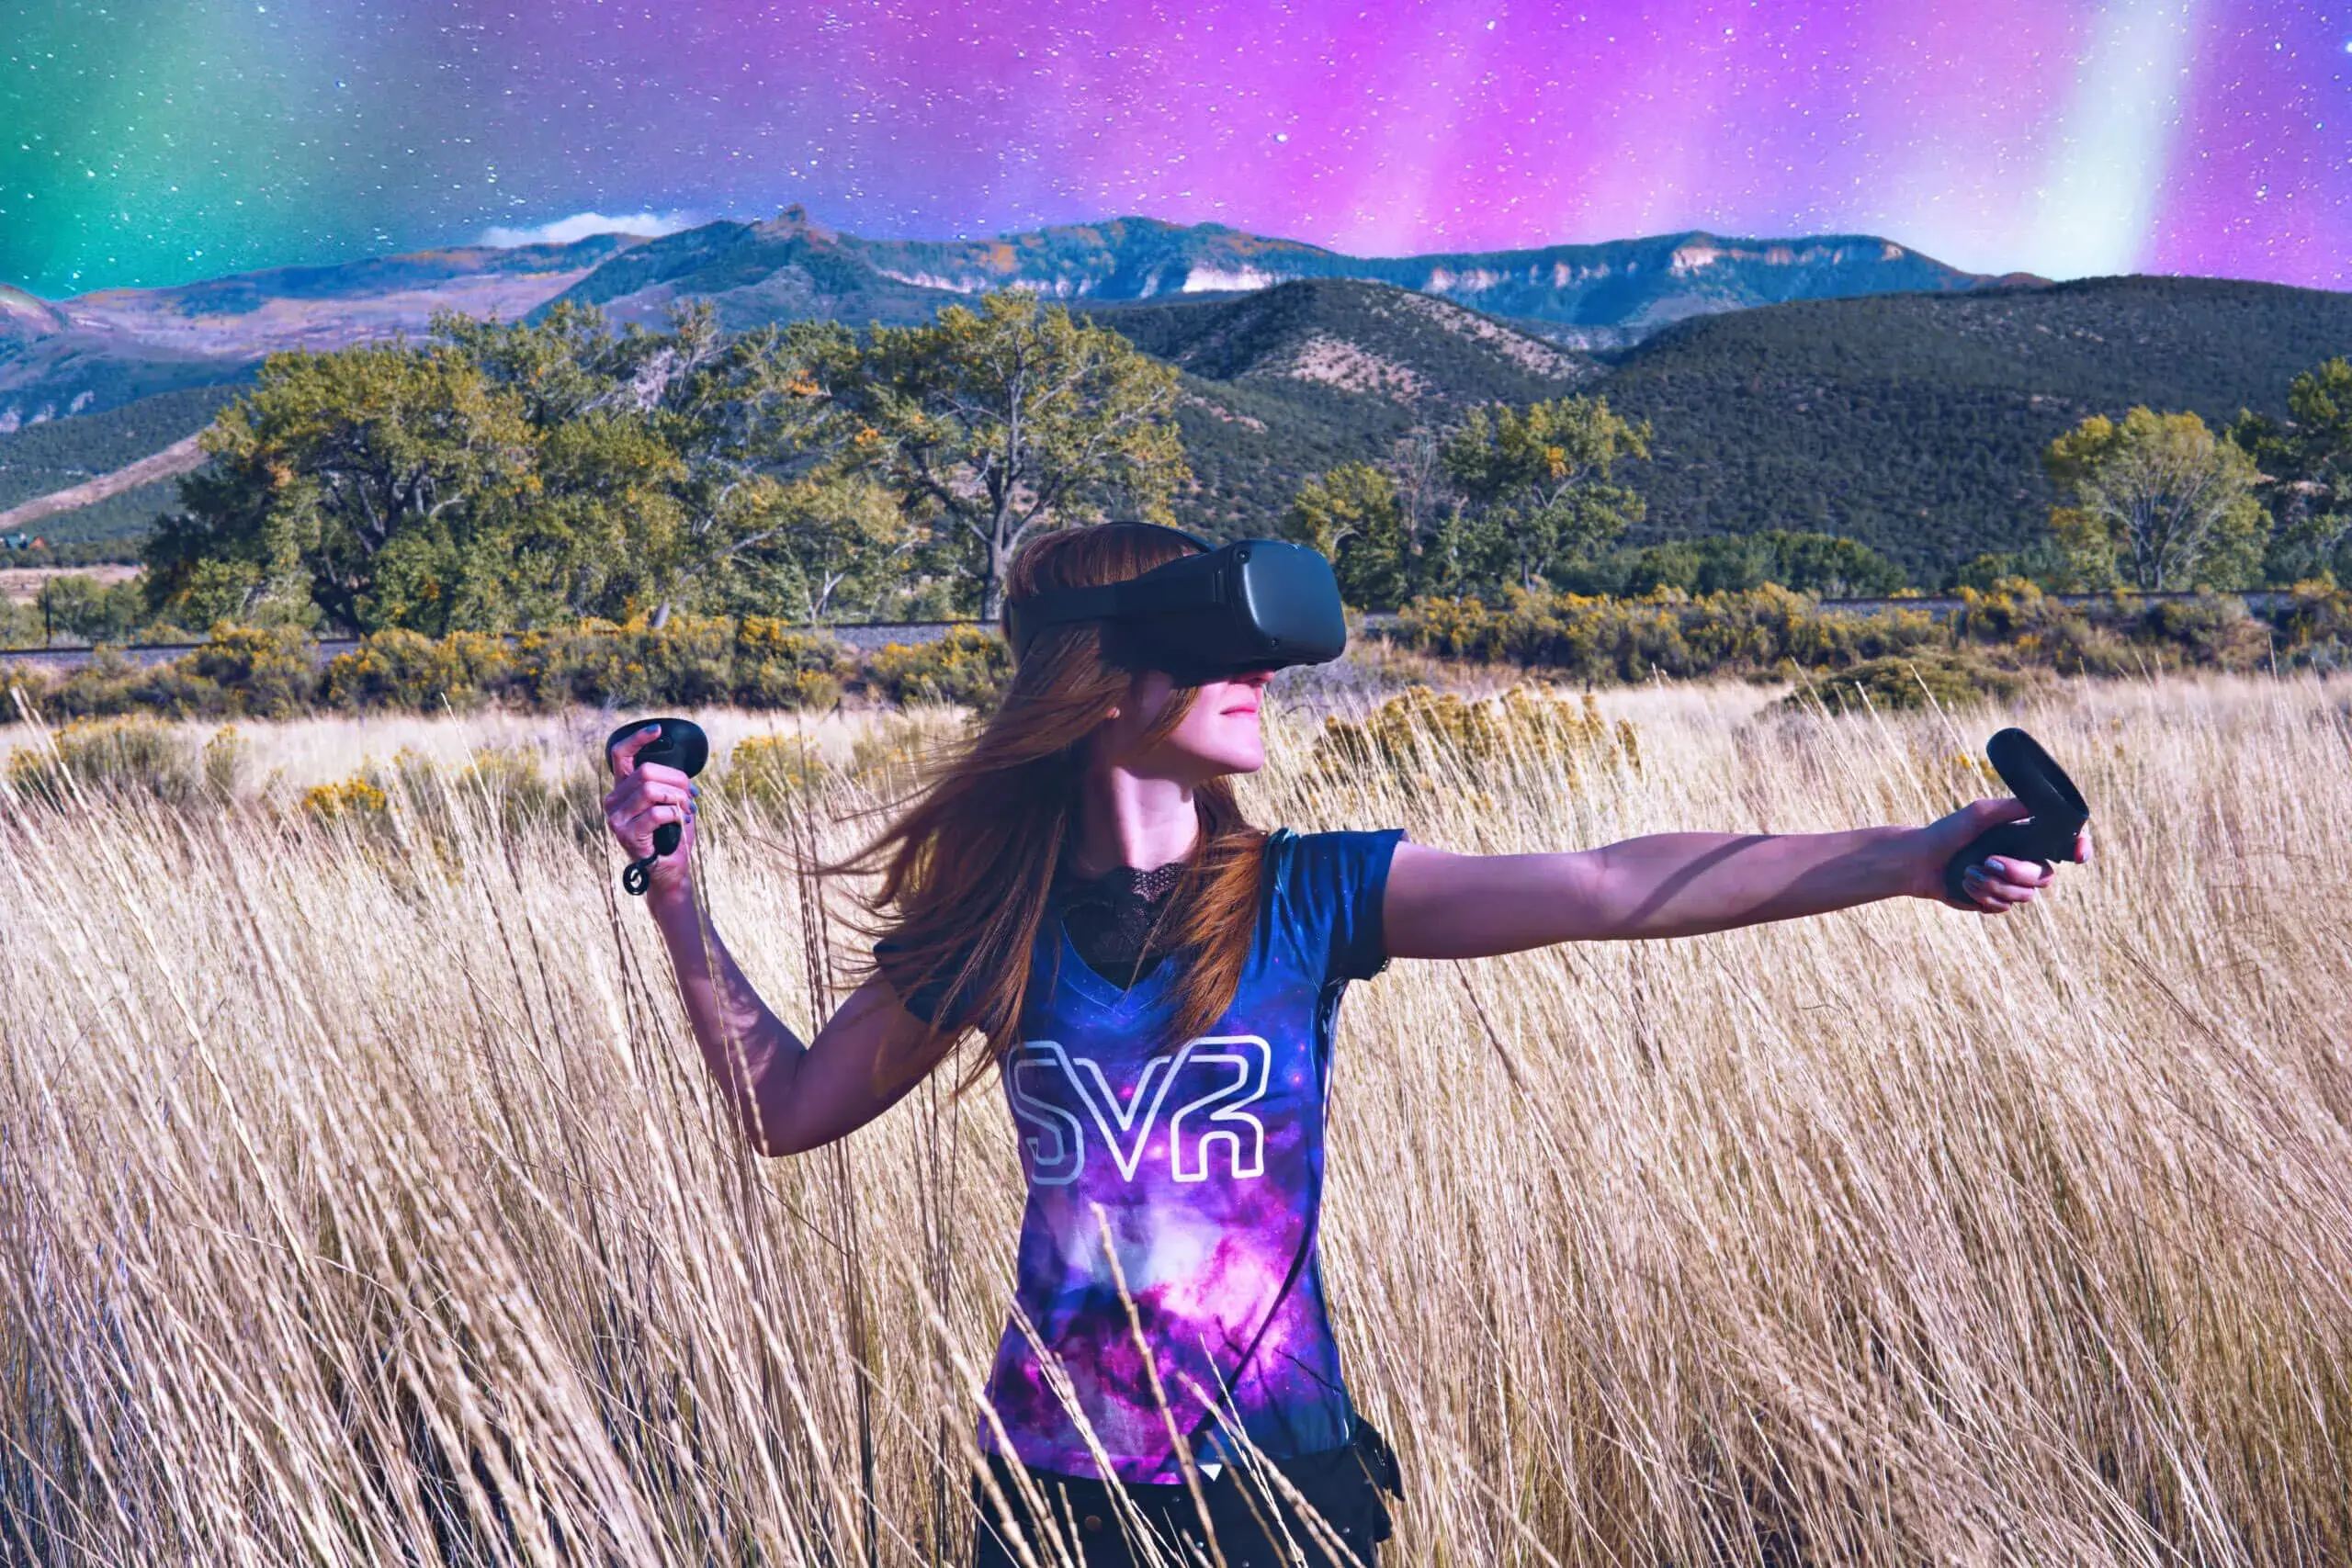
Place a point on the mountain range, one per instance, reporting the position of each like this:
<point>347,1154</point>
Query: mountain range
<point>1841,383</point>
<point>99,350</point>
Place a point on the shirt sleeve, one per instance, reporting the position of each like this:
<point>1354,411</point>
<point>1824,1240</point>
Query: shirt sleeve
<point>1334,886</point>
<point>927,999</point>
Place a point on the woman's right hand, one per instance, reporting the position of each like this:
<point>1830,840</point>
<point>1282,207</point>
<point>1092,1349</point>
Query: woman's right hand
<point>641,799</point>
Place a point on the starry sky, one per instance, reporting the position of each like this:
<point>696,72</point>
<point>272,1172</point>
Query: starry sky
<point>155,142</point>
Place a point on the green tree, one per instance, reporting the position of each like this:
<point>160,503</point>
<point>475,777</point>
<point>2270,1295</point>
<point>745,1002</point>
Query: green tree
<point>665,454</point>
<point>507,475</point>
<point>2155,501</point>
<point>763,436</point>
<point>2044,563</point>
<point>829,545</point>
<point>337,468</point>
<point>596,531</point>
<point>1540,483</point>
<point>567,364</point>
<point>1354,515</point>
<point>1463,553</point>
<point>79,608</point>
<point>1828,564</point>
<point>2306,463</point>
<point>998,421</point>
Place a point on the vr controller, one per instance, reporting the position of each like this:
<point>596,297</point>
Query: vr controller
<point>681,745</point>
<point>2043,786</point>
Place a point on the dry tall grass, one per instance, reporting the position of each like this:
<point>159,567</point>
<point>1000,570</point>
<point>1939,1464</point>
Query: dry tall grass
<point>362,1199</point>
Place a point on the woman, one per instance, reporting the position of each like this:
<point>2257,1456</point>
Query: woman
<point>1155,980</point>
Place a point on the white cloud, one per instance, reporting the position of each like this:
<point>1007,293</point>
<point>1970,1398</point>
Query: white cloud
<point>579,225</point>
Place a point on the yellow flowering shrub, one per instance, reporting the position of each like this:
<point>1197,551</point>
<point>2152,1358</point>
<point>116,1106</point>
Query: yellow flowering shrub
<point>969,666</point>
<point>1419,730</point>
<point>771,771</point>
<point>357,799</point>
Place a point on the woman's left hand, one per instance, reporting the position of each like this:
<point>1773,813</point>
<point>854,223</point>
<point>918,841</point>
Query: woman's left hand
<point>1995,886</point>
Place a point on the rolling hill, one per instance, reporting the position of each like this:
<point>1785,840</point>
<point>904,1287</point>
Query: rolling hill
<point>1913,422</point>
<point>66,454</point>
<point>1283,384</point>
<point>115,346</point>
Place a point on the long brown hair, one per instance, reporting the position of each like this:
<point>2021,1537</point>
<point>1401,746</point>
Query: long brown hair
<point>965,869</point>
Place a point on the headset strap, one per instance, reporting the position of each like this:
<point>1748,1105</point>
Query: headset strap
<point>1071,604</point>
<point>1152,593</point>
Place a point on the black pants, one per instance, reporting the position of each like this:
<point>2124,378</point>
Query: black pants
<point>1343,1485</point>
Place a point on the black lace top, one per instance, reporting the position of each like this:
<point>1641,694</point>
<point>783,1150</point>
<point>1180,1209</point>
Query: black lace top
<point>1120,923</point>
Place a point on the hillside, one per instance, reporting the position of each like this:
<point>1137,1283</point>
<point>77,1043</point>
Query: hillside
<point>64,454</point>
<point>788,270</point>
<point>1915,422</point>
<point>149,473</point>
<point>1624,285</point>
<point>109,529</point>
<point>1302,377</point>
<point>1358,337</point>
<point>24,317</point>
<point>115,346</point>
<point>42,457</point>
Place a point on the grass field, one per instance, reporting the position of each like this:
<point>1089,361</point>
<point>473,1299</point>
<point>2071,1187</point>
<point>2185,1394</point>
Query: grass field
<point>362,1199</point>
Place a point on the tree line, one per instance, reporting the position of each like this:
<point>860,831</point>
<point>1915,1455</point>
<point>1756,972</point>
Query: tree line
<point>2160,501</point>
<point>513,475</point>
<point>1532,499</point>
<point>501,477</point>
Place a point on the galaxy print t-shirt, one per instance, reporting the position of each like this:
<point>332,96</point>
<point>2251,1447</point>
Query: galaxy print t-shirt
<point>1204,1157</point>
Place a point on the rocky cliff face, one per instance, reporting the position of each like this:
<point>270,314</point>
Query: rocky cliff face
<point>1602,295</point>
<point>1622,286</point>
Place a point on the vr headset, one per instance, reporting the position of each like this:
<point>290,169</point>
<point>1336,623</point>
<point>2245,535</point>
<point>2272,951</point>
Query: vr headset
<point>1251,604</point>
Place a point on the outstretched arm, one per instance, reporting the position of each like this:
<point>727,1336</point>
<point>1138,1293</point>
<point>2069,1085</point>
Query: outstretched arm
<point>1448,906</point>
<point>788,1097</point>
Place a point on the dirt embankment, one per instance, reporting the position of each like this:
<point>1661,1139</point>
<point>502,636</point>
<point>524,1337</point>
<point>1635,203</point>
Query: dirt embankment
<point>180,458</point>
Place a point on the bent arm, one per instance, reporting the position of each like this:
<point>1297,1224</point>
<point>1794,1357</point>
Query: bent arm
<point>1448,906</point>
<point>788,1097</point>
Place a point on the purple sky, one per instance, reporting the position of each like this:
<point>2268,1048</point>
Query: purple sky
<point>157,140</point>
